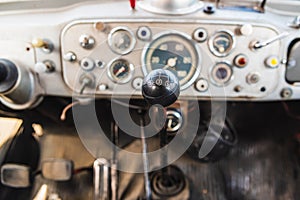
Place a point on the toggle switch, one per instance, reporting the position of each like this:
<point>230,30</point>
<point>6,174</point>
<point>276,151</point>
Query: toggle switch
<point>86,81</point>
<point>43,44</point>
<point>87,41</point>
<point>46,66</point>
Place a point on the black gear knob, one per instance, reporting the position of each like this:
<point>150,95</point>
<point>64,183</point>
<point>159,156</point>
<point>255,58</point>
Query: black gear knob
<point>161,87</point>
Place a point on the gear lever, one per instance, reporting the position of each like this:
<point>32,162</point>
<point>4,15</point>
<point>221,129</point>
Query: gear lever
<point>160,87</point>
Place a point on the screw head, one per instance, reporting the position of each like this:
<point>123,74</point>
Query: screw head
<point>286,93</point>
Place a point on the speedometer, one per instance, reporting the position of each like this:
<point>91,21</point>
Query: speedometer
<point>174,52</point>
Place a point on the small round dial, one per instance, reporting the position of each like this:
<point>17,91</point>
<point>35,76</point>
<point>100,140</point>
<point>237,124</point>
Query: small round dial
<point>221,73</point>
<point>121,40</point>
<point>120,71</point>
<point>174,52</point>
<point>221,43</point>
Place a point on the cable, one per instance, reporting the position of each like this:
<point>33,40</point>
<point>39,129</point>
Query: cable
<point>8,114</point>
<point>82,169</point>
<point>135,107</point>
<point>289,113</point>
<point>233,130</point>
<point>65,110</point>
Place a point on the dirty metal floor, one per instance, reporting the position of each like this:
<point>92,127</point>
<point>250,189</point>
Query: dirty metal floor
<point>263,165</point>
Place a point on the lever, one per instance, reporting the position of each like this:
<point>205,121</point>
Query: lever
<point>114,162</point>
<point>102,187</point>
<point>45,44</point>
<point>86,81</point>
<point>65,110</point>
<point>258,45</point>
<point>145,162</point>
<point>161,87</point>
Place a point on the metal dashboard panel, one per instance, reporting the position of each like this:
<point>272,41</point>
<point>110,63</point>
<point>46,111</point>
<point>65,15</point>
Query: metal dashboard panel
<point>268,77</point>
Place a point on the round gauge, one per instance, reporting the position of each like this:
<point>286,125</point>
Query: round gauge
<point>221,43</point>
<point>121,40</point>
<point>174,52</point>
<point>120,71</point>
<point>221,73</point>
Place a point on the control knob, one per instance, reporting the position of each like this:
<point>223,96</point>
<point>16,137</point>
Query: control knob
<point>18,88</point>
<point>161,87</point>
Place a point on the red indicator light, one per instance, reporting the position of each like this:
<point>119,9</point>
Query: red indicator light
<point>242,61</point>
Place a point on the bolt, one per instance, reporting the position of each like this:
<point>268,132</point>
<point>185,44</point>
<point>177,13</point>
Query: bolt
<point>286,93</point>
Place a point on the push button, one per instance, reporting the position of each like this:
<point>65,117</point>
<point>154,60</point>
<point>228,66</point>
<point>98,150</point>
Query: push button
<point>272,62</point>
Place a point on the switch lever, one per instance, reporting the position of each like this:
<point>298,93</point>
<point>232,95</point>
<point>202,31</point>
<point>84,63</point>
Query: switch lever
<point>258,45</point>
<point>44,44</point>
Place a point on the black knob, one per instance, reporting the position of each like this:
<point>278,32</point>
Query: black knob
<point>209,9</point>
<point>8,75</point>
<point>161,87</point>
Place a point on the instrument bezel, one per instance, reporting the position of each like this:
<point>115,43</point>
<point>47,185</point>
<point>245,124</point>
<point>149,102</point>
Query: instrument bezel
<point>188,39</point>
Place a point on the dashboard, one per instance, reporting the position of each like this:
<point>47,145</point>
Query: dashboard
<point>209,59</point>
<point>103,50</point>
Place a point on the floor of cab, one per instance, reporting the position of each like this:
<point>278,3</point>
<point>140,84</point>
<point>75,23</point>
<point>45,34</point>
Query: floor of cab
<point>263,165</point>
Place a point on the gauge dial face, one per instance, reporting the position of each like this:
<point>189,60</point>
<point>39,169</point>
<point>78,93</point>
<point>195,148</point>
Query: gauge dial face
<point>222,43</point>
<point>120,71</point>
<point>121,40</point>
<point>174,52</point>
<point>221,74</point>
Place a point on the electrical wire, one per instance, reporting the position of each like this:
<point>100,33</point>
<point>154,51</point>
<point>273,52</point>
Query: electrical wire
<point>65,110</point>
<point>289,113</point>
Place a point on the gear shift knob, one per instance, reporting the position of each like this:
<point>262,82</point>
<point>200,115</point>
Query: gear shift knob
<point>161,87</point>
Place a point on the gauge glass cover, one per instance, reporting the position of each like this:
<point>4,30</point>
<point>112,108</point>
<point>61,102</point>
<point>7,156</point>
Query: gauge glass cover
<point>222,74</point>
<point>174,52</point>
<point>120,71</point>
<point>121,40</point>
<point>222,43</point>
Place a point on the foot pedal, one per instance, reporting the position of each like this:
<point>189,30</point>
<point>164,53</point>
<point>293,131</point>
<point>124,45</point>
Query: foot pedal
<point>15,175</point>
<point>57,169</point>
